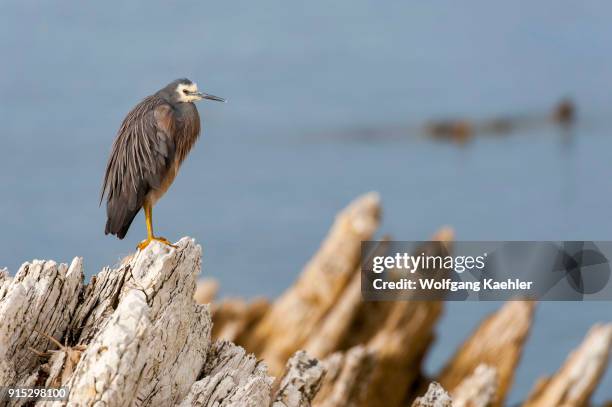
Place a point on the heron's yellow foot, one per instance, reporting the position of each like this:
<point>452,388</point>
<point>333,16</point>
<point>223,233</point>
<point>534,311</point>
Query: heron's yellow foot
<point>147,241</point>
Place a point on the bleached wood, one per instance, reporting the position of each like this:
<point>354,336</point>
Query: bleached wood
<point>4,281</point>
<point>42,297</point>
<point>477,390</point>
<point>133,336</point>
<point>575,382</point>
<point>234,319</point>
<point>294,317</point>
<point>436,396</point>
<point>336,325</point>
<point>346,378</point>
<point>400,346</point>
<point>300,382</point>
<point>401,341</point>
<point>148,343</point>
<point>497,342</point>
<point>111,369</point>
<point>231,377</point>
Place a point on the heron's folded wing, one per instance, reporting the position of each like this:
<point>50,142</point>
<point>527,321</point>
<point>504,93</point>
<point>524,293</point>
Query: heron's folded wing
<point>142,155</point>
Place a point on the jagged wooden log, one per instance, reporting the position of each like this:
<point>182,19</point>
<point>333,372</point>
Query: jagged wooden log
<point>497,342</point>
<point>396,334</point>
<point>230,376</point>
<point>400,346</point>
<point>436,396</point>
<point>300,383</point>
<point>295,316</point>
<point>42,297</point>
<point>133,336</point>
<point>401,341</point>
<point>394,338</point>
<point>234,319</point>
<point>335,327</point>
<point>477,390</point>
<point>575,382</point>
<point>346,378</point>
<point>345,324</point>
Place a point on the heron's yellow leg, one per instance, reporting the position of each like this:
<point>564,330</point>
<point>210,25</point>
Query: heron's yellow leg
<point>148,210</point>
<point>149,220</point>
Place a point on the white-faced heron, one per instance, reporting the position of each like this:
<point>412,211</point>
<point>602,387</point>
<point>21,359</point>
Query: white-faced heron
<point>154,139</point>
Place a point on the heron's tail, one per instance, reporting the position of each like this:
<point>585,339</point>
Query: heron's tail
<point>119,219</point>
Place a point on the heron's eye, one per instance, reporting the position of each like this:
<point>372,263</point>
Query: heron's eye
<point>185,91</point>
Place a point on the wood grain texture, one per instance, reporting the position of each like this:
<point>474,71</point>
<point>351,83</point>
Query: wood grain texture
<point>133,336</point>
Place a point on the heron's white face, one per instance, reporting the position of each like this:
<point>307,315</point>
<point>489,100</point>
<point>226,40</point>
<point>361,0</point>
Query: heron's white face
<point>188,93</point>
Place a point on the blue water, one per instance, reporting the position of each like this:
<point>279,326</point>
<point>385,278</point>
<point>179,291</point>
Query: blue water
<point>264,183</point>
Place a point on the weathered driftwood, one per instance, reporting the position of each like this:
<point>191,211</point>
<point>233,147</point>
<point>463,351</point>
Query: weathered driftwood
<point>575,382</point>
<point>351,322</point>
<point>436,396</point>
<point>347,376</point>
<point>230,377</point>
<point>335,327</point>
<point>400,346</point>
<point>497,342</point>
<point>42,297</point>
<point>133,336</point>
<point>323,313</point>
<point>235,319</point>
<point>300,382</point>
<point>401,342</point>
<point>477,390</point>
<point>295,316</point>
<point>386,343</point>
<point>373,351</point>
<point>4,278</point>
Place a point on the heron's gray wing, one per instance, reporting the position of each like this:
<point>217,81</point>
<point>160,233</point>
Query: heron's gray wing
<point>142,154</point>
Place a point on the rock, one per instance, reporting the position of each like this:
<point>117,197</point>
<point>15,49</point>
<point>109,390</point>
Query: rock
<point>295,316</point>
<point>497,342</point>
<point>133,336</point>
<point>300,382</point>
<point>477,390</point>
<point>575,382</point>
<point>436,396</point>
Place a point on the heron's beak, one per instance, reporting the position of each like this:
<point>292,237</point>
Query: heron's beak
<point>210,97</point>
